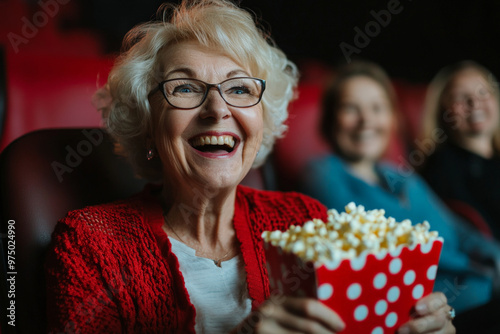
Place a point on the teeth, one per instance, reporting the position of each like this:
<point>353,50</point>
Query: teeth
<point>477,116</point>
<point>366,135</point>
<point>214,140</point>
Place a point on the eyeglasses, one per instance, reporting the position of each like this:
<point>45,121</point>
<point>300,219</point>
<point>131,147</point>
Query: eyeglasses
<point>188,93</point>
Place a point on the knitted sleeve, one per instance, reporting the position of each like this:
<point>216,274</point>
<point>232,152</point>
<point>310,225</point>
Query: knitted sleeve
<point>78,299</point>
<point>277,210</point>
<point>259,211</point>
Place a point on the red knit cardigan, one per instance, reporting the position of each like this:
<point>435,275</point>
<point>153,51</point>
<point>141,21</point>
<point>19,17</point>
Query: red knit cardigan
<point>111,270</point>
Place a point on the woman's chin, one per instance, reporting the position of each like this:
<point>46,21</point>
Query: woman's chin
<point>220,170</point>
<point>220,178</point>
<point>369,153</point>
<point>478,130</point>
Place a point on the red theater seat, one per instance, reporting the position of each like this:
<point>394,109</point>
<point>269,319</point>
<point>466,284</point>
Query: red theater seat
<point>51,91</point>
<point>411,98</point>
<point>471,215</point>
<point>302,141</point>
<point>35,27</point>
<point>50,73</point>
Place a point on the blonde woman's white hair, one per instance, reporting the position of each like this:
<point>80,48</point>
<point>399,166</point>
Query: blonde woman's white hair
<point>213,23</point>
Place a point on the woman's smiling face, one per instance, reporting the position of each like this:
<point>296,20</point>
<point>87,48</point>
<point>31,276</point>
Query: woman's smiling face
<point>470,105</point>
<point>214,144</point>
<point>364,119</point>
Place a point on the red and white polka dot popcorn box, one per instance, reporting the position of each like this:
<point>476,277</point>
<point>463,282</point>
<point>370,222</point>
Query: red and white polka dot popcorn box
<point>373,293</point>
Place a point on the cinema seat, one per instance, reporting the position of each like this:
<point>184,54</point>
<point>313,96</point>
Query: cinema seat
<point>43,175</point>
<point>50,91</point>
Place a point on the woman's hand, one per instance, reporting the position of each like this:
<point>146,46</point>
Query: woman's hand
<point>291,315</point>
<point>431,316</point>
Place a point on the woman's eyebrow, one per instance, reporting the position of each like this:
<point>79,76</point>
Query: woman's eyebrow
<point>188,72</point>
<point>183,70</point>
<point>237,72</point>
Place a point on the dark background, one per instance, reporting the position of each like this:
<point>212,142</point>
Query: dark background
<point>423,37</point>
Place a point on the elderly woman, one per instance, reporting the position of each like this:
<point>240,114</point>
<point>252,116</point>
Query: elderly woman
<point>198,99</point>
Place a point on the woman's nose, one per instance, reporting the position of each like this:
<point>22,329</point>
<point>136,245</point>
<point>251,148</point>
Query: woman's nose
<point>473,101</point>
<point>214,106</point>
<point>365,115</point>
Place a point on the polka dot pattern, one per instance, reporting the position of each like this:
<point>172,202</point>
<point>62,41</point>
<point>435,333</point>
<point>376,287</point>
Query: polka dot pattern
<point>379,281</point>
<point>418,291</point>
<point>354,291</point>
<point>361,312</point>
<point>395,266</point>
<point>409,277</point>
<point>431,272</point>
<point>391,319</point>
<point>325,291</point>
<point>393,294</point>
<point>381,307</point>
<point>376,297</point>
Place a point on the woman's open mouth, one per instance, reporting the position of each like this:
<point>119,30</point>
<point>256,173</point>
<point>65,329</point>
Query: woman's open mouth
<point>476,116</point>
<point>214,144</point>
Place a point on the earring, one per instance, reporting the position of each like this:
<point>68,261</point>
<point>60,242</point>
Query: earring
<point>150,154</point>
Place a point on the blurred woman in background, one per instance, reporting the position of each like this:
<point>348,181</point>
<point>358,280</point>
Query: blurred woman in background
<point>357,121</point>
<point>462,118</point>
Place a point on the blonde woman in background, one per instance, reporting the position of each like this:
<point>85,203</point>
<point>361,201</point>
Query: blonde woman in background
<point>462,136</point>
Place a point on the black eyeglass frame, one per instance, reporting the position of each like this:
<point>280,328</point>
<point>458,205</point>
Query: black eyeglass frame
<point>209,86</point>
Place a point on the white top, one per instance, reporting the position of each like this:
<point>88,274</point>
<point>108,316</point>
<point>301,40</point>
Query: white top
<point>219,294</point>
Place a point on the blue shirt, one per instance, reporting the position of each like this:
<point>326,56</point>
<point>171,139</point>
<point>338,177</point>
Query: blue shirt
<point>463,274</point>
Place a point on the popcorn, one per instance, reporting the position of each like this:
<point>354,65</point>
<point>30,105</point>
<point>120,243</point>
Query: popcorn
<point>349,234</point>
<point>367,267</point>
